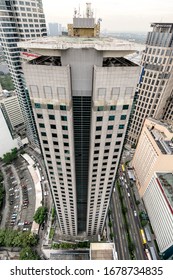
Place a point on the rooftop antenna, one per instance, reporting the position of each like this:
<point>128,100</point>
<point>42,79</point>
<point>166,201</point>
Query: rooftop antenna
<point>75,12</point>
<point>79,11</point>
<point>88,10</point>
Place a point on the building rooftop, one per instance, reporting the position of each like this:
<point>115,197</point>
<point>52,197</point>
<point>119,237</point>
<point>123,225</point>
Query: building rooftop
<point>66,42</point>
<point>166,182</point>
<point>102,251</point>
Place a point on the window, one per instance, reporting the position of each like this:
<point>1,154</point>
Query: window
<point>119,135</point>
<point>98,137</point>
<point>51,117</point>
<point>125,107</point>
<point>98,128</point>
<point>110,127</point>
<point>53,126</point>
<point>46,149</point>
<point>45,142</point>
<point>54,135</point>
<point>37,105</point>
<point>41,125</point>
<point>65,136</point>
<point>55,142</point>
<point>121,126</point>
<point>64,127</point>
<point>111,118</point>
<point>107,144</point>
<point>64,118</point>
<point>118,143</point>
<point>123,117</point>
<point>63,107</point>
<point>100,108</point>
<point>99,119</point>
<point>43,133</point>
<point>66,144</point>
<point>97,144</point>
<point>109,136</point>
<point>113,108</point>
<point>39,116</point>
<point>50,106</point>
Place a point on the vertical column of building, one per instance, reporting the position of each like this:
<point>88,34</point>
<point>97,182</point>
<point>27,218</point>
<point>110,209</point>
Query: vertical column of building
<point>50,92</point>
<point>21,20</point>
<point>113,93</point>
<point>155,87</point>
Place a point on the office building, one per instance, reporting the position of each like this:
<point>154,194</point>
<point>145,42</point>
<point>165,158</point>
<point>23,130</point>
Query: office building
<point>81,91</point>
<point>11,109</point>
<point>158,199</point>
<point>54,29</point>
<point>156,81</point>
<point>154,152</point>
<point>20,21</point>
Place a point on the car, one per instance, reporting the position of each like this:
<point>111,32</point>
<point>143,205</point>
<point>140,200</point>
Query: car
<point>20,223</point>
<point>46,193</point>
<point>16,190</point>
<point>25,229</point>
<point>135,213</point>
<point>26,223</point>
<point>11,189</point>
<point>17,196</point>
<point>42,226</point>
<point>42,177</point>
<point>126,186</point>
<point>16,206</point>
<point>11,193</point>
<point>114,189</point>
<point>128,194</point>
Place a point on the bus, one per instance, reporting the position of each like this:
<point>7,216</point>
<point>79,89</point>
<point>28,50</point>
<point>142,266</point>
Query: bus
<point>153,254</point>
<point>148,254</point>
<point>143,237</point>
<point>147,234</point>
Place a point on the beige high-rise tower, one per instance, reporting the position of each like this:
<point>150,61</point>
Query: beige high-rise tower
<point>81,91</point>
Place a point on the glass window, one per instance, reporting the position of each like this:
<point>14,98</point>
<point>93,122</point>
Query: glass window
<point>99,119</point>
<point>43,133</point>
<point>123,117</point>
<point>39,116</point>
<point>63,107</point>
<point>98,128</point>
<point>100,108</point>
<point>53,126</point>
<point>41,125</point>
<point>98,137</point>
<point>111,118</point>
<point>54,135</point>
<point>110,127</point>
<point>64,118</point>
<point>37,105</point>
<point>109,136</point>
<point>65,136</point>
<point>45,142</point>
<point>64,127</point>
<point>118,143</point>
<point>121,126</point>
<point>50,106</point>
<point>113,108</point>
<point>51,117</point>
<point>119,135</point>
<point>125,107</point>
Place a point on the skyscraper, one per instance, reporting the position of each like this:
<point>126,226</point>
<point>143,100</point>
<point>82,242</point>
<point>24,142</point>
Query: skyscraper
<point>20,21</point>
<point>156,83</point>
<point>81,91</point>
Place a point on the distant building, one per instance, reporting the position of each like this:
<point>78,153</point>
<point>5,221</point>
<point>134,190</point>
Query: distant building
<point>102,251</point>
<point>54,29</point>
<point>6,140</point>
<point>156,82</point>
<point>12,112</point>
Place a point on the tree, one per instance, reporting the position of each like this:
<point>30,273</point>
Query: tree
<point>10,156</point>
<point>40,215</point>
<point>28,254</point>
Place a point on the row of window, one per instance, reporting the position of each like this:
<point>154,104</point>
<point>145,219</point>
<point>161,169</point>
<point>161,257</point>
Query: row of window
<point>112,108</point>
<point>50,106</point>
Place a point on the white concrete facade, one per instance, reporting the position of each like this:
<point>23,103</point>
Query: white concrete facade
<point>81,98</point>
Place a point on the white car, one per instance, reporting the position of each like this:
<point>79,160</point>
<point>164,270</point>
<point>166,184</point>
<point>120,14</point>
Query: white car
<point>135,213</point>
<point>128,194</point>
<point>126,186</point>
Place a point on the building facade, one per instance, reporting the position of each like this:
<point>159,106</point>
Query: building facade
<point>158,199</point>
<point>20,21</point>
<point>154,152</point>
<point>81,92</point>
<point>156,81</point>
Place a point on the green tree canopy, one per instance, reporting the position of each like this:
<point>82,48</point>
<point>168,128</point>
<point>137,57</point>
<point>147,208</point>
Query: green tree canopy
<point>28,254</point>
<point>40,215</point>
<point>10,156</point>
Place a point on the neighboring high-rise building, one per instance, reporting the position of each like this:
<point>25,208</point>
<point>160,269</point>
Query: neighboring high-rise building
<point>54,29</point>
<point>156,83</point>
<point>81,92</point>
<point>20,21</point>
<point>9,104</point>
<point>153,167</point>
<point>158,199</point>
<point>154,152</point>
